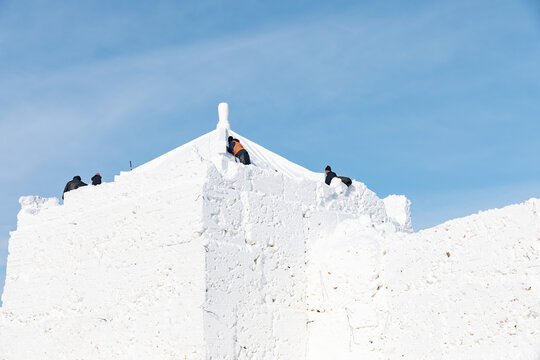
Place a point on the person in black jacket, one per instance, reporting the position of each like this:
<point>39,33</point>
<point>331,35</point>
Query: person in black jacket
<point>73,184</point>
<point>238,151</point>
<point>96,179</point>
<point>330,175</point>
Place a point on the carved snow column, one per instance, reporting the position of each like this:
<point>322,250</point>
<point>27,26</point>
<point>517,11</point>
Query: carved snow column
<point>223,127</point>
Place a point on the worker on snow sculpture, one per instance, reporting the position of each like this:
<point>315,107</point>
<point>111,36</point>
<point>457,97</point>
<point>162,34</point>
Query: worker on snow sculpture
<point>330,175</point>
<point>238,150</point>
<point>96,179</point>
<point>73,184</point>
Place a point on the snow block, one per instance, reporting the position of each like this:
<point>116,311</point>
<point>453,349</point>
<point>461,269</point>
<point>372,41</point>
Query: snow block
<point>220,141</point>
<point>398,208</point>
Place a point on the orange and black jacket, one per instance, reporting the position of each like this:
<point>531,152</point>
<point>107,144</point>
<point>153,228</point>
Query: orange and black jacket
<point>235,147</point>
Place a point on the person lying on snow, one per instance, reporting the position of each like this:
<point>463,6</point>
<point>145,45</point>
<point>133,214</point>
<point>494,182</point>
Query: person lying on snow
<point>330,175</point>
<point>238,150</point>
<point>73,184</point>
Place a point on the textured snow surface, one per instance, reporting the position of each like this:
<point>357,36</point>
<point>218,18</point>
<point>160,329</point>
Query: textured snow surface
<point>466,289</point>
<point>469,288</point>
<point>195,256</point>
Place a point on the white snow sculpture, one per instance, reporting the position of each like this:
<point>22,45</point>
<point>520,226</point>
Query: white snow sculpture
<point>193,256</point>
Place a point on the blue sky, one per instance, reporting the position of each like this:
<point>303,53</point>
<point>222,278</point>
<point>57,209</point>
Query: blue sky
<point>435,100</point>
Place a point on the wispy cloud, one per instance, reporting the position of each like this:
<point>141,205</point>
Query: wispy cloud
<point>46,113</point>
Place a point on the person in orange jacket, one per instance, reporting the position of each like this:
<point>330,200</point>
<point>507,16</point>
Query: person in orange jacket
<point>238,150</point>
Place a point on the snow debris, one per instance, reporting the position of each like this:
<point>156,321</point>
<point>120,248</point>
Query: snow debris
<point>32,205</point>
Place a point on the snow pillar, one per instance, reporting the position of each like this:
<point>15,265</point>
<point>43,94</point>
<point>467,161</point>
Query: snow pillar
<point>223,111</point>
<point>222,128</point>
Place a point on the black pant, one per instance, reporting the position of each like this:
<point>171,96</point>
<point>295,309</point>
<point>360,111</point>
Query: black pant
<point>244,158</point>
<point>347,181</point>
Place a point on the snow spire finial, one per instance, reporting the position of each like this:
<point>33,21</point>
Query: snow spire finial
<point>223,111</point>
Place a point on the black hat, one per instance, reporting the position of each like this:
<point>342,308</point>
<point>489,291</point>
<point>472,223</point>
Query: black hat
<point>77,178</point>
<point>230,139</point>
<point>328,168</point>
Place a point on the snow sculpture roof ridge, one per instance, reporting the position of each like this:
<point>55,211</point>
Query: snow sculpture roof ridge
<point>205,147</point>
